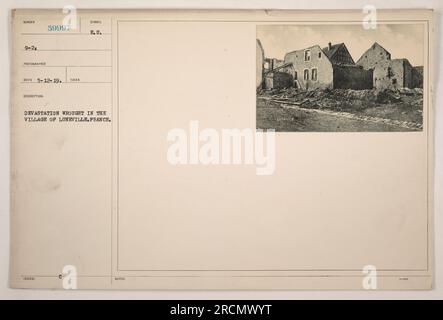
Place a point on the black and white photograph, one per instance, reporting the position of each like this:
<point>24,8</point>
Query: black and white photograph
<point>340,78</point>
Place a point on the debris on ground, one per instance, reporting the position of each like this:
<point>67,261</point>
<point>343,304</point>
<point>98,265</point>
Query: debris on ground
<point>400,105</point>
<point>327,98</point>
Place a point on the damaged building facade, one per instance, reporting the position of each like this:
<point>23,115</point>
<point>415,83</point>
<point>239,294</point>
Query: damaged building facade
<point>276,74</point>
<point>310,68</point>
<point>333,67</point>
<point>390,73</point>
<point>269,71</point>
<point>280,77</point>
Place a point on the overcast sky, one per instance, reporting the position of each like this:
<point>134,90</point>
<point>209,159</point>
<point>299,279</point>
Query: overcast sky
<point>401,40</point>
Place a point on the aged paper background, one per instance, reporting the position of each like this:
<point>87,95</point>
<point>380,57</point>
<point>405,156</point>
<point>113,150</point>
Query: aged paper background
<point>325,175</point>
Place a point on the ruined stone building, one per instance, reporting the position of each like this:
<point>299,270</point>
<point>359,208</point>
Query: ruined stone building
<point>328,68</point>
<point>269,73</point>
<point>260,60</point>
<point>390,73</point>
<point>373,55</point>
<point>393,74</point>
<point>278,77</point>
<point>272,63</point>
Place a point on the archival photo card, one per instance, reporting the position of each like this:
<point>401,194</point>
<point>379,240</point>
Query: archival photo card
<point>151,150</point>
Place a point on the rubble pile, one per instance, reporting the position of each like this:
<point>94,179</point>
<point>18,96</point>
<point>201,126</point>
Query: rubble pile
<point>343,99</point>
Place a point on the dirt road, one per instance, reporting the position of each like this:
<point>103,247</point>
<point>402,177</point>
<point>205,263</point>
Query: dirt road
<point>271,115</point>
